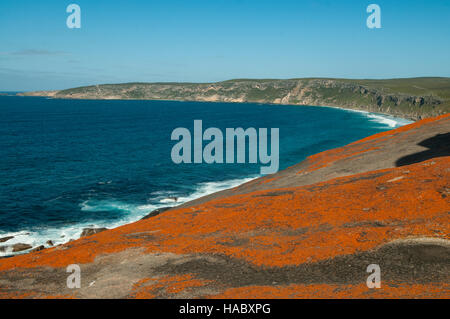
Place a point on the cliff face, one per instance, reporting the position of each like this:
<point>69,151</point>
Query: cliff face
<point>308,231</point>
<point>413,98</point>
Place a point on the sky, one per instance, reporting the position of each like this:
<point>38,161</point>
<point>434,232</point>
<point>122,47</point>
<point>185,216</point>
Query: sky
<point>215,40</point>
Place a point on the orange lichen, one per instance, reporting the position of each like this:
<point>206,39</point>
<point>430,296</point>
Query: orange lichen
<point>332,215</point>
<point>282,227</point>
<point>321,291</point>
<point>364,145</point>
<point>268,180</point>
<point>8,294</point>
<point>147,288</point>
<point>403,129</point>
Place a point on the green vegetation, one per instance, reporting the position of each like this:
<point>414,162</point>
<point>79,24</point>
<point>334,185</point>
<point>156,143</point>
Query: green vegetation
<point>414,97</point>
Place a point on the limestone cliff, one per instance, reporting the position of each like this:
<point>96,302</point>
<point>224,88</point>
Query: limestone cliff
<point>413,98</point>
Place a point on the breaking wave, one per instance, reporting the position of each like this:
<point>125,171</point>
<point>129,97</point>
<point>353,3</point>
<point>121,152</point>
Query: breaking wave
<point>129,214</point>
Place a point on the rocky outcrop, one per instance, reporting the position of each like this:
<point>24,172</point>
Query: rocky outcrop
<point>15,248</point>
<point>20,247</point>
<point>91,231</point>
<point>4,239</point>
<point>156,212</point>
<point>309,231</point>
<point>38,248</point>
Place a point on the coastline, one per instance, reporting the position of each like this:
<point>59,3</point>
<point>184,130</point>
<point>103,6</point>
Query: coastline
<point>395,115</point>
<point>75,232</point>
<point>307,231</point>
<point>412,98</point>
<point>61,236</point>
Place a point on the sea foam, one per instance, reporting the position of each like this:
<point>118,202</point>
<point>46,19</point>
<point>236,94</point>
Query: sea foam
<point>131,213</point>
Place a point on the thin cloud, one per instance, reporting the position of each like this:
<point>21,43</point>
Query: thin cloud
<point>33,52</point>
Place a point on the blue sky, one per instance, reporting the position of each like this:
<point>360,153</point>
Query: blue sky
<point>214,40</point>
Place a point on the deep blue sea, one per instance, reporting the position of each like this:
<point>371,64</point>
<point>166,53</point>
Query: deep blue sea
<point>70,164</point>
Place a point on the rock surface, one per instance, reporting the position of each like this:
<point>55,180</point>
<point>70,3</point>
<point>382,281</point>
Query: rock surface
<point>4,239</point>
<point>20,247</point>
<point>91,231</point>
<point>309,231</point>
<point>39,248</point>
<point>156,212</point>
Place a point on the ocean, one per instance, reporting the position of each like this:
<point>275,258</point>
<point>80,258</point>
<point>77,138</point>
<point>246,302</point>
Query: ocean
<point>70,164</point>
